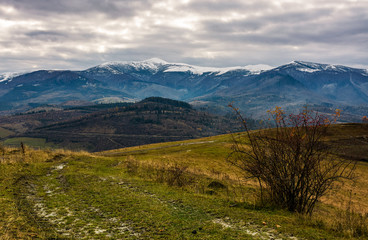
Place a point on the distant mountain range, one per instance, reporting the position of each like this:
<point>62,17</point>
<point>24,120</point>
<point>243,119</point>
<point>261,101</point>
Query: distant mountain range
<point>253,88</point>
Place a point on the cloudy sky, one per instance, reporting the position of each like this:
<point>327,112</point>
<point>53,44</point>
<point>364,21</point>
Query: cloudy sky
<point>77,34</point>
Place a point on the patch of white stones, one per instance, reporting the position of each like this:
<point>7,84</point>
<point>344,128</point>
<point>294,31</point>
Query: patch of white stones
<point>66,221</point>
<point>68,224</point>
<point>264,234</point>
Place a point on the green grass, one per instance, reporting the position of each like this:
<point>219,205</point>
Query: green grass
<point>87,197</point>
<point>127,194</point>
<point>4,132</point>
<point>32,142</point>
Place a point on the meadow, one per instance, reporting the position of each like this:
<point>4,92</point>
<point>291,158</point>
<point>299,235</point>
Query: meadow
<point>174,190</point>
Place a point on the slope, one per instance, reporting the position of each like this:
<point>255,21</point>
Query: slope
<point>130,193</point>
<point>149,121</point>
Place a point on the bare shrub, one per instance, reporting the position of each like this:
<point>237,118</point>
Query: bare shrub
<point>290,161</point>
<point>160,174</point>
<point>171,174</point>
<point>176,176</point>
<point>132,165</point>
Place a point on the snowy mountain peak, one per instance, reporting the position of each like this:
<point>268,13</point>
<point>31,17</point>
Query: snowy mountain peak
<point>311,67</point>
<point>198,70</point>
<point>306,64</point>
<point>152,63</point>
<point>258,67</point>
<point>9,76</point>
<point>157,64</point>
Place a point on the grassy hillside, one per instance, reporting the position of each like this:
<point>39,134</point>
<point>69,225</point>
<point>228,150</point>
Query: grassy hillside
<point>176,190</point>
<point>32,142</point>
<point>4,132</point>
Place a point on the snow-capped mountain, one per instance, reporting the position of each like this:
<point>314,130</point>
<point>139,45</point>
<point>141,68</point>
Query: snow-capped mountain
<point>155,64</point>
<point>254,88</point>
<point>8,76</point>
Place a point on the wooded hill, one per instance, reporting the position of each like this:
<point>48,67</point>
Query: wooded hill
<point>149,121</point>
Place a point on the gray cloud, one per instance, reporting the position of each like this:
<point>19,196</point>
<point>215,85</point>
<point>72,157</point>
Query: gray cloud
<point>109,8</point>
<point>79,34</point>
<point>224,7</point>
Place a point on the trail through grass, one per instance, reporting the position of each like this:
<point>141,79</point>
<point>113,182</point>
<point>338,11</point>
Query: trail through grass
<point>91,198</point>
<point>81,201</point>
<point>66,195</point>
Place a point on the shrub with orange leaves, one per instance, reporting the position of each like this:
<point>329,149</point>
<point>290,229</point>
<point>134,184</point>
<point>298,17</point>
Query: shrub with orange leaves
<point>364,119</point>
<point>290,161</point>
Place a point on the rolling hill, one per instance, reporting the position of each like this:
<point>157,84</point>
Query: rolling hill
<point>109,126</point>
<point>176,190</point>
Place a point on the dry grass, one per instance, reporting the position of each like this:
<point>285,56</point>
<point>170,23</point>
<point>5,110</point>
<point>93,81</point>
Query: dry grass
<point>206,158</point>
<point>358,187</point>
<point>196,163</point>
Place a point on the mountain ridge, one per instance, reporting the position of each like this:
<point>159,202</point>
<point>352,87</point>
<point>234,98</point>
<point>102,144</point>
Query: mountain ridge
<point>254,89</point>
<point>157,61</point>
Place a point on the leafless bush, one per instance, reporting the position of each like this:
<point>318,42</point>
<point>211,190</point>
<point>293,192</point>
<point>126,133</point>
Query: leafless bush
<point>132,165</point>
<point>176,176</point>
<point>171,174</point>
<point>159,174</point>
<point>290,161</point>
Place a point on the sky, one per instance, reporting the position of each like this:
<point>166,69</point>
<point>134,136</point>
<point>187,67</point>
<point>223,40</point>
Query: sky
<point>77,34</point>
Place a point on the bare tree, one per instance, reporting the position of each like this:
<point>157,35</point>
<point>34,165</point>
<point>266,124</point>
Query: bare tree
<point>290,161</point>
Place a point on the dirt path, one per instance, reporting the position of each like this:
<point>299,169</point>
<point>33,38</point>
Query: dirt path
<point>51,204</point>
<point>109,207</point>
